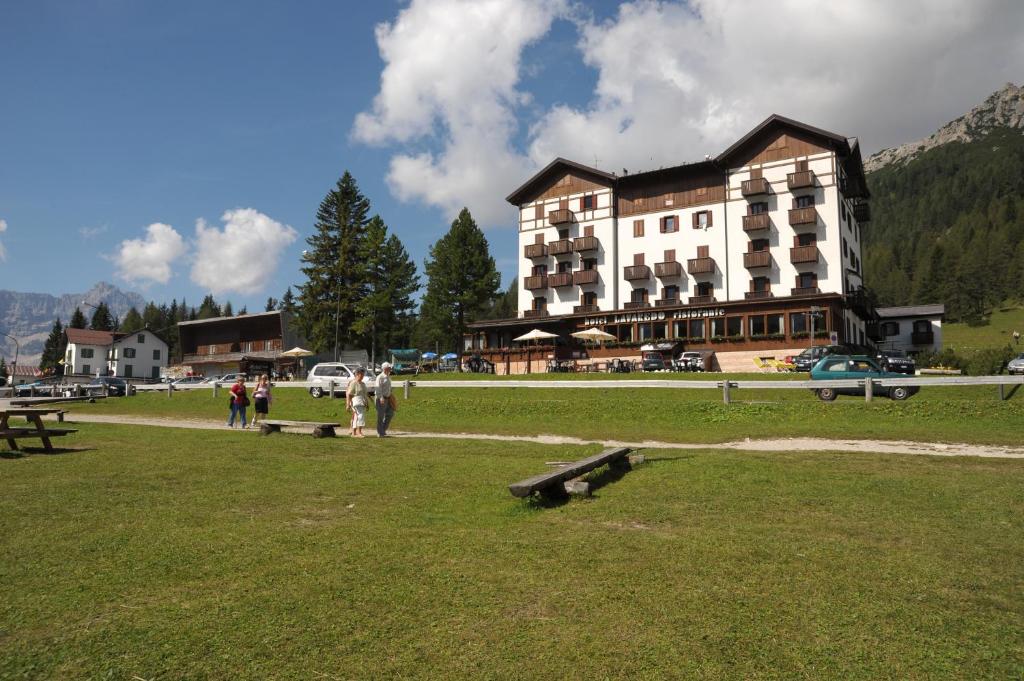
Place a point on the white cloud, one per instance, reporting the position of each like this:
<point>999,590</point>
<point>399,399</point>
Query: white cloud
<point>675,81</point>
<point>149,259</point>
<point>92,232</point>
<point>243,255</point>
<point>3,251</point>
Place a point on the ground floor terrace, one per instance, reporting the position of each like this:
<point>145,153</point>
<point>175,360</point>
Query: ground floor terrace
<point>736,334</point>
<point>251,364</point>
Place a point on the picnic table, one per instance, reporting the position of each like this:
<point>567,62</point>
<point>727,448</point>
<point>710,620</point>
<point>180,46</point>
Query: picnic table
<point>34,427</point>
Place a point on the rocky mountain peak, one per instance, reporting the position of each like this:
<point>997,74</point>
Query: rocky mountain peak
<point>1004,108</point>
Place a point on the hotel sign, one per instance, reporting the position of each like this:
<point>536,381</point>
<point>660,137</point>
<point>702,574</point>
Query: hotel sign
<point>655,316</point>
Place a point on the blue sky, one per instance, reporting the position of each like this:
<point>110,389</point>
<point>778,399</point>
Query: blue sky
<point>118,115</point>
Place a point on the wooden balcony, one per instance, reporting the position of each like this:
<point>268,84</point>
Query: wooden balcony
<point>585,309</point>
<point>667,302</point>
<point>803,216</point>
<point>700,265</point>
<point>560,247</point>
<point>922,337</point>
<point>803,254</point>
<point>535,251</point>
<point>560,279</point>
<point>755,187</point>
<point>535,282</point>
<point>561,216</point>
<point>582,244</point>
<point>533,314</point>
<point>757,295</point>
<point>637,305</point>
<point>757,259</point>
<point>701,300</point>
<point>804,291</point>
<point>861,211</point>
<point>584,277</point>
<point>663,270</point>
<point>637,273</point>
<point>755,223</point>
<point>800,179</point>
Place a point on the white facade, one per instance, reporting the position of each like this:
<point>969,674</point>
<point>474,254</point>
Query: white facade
<point>139,355</point>
<point>87,359</point>
<point>911,328</point>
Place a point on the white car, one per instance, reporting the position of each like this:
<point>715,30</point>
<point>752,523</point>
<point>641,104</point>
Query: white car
<point>1016,365</point>
<point>189,380</point>
<point>322,374</point>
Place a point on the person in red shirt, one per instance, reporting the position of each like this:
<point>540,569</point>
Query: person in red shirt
<point>239,401</point>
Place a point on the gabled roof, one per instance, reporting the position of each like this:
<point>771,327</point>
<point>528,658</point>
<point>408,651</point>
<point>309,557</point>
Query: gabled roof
<point>837,142</point>
<point>248,315</point>
<point>559,164</point>
<point>911,311</point>
<point>89,337</point>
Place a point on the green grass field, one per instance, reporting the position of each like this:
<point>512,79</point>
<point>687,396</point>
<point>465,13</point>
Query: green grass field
<point>154,553</point>
<point>965,340</point>
<point>953,414</point>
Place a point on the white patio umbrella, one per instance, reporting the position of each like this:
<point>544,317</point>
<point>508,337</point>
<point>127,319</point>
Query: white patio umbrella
<point>536,334</point>
<point>298,352</point>
<point>593,334</point>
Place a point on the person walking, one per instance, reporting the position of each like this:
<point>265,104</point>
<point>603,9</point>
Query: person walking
<point>262,397</point>
<point>384,400</point>
<point>355,402</point>
<point>239,401</point>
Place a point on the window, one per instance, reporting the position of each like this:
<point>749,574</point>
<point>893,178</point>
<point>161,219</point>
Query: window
<point>670,223</point>
<point>129,353</point>
<point>590,264</point>
<point>86,368</point>
<point>922,326</point>
<point>805,239</point>
<point>127,370</point>
<point>734,326</point>
<point>539,270</point>
<point>806,201</point>
<point>155,372</point>
<point>757,208</point>
<point>696,329</point>
<point>717,326</point>
<point>704,288</point>
<point>538,211</point>
<point>540,304</point>
<point>564,266</point>
<point>760,285</point>
<point>670,293</point>
<point>801,165</point>
<point>758,245</point>
<point>638,228</point>
<point>588,202</point>
<point>538,238</point>
<point>842,210</point>
<point>890,329</point>
<point>702,219</point>
<point>589,298</point>
<point>798,322</point>
<point>563,234</point>
<point>757,325</point>
<point>845,249</point>
<point>807,280</point>
<point>87,353</point>
<point>156,354</point>
<point>141,338</point>
<point>775,324</point>
<point>638,295</point>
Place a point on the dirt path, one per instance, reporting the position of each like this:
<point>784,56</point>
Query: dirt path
<point>804,444</point>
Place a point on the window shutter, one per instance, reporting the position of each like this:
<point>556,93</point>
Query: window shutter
<point>710,221</point>
<point>588,230</point>
<point>702,251</point>
<point>563,204</point>
<point>696,221</point>
<point>801,165</point>
<point>538,212</point>
<point>638,259</point>
<point>538,238</point>
<point>756,173</point>
<point>753,285</point>
<point>670,256</point>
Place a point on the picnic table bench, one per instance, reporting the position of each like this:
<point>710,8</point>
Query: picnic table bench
<point>319,429</point>
<point>33,429</point>
<point>551,484</point>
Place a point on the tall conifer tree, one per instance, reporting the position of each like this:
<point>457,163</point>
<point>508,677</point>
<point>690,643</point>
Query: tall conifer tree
<point>102,320</point>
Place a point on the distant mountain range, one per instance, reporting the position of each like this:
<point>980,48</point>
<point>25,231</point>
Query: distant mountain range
<point>30,316</point>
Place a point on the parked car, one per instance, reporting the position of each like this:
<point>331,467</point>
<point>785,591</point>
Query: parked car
<point>1016,365</point>
<point>836,367</point>
<point>806,360</point>
<point>41,387</point>
<point>897,362</point>
<point>322,374</point>
<point>652,361</point>
<point>688,361</point>
<point>189,380</point>
<point>107,385</point>
<point>229,378</point>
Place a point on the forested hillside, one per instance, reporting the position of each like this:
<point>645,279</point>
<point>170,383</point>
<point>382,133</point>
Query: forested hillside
<point>948,226</point>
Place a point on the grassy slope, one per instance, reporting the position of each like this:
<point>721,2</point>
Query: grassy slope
<point>175,554</point>
<point>964,339</point>
<point>969,414</point>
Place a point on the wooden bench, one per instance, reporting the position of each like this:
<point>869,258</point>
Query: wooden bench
<point>552,485</point>
<point>318,429</point>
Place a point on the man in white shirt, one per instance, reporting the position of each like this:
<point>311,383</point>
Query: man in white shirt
<point>384,400</point>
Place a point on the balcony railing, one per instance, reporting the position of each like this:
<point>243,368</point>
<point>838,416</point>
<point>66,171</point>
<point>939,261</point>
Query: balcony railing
<point>560,247</point>
<point>700,265</point>
<point>582,244</point>
<point>667,302</point>
<point>533,314</point>
<point>801,254</point>
<point>561,216</point>
<point>637,273</point>
<point>922,337</point>
<point>754,187</point>
<point>635,305</point>
<point>757,259</point>
<point>535,282</point>
<point>585,309</point>
<point>701,300</point>
<point>861,211</point>
<point>668,269</point>
<point>804,290</point>
<point>800,179</point>
<point>560,279</point>
<point>584,277</point>
<point>755,223</point>
<point>803,216</point>
<point>535,251</point>
<point>757,295</point>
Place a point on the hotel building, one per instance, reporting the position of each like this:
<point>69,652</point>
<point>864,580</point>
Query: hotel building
<point>741,254</point>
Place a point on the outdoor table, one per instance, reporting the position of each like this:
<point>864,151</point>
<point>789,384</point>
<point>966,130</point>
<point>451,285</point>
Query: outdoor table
<point>35,426</point>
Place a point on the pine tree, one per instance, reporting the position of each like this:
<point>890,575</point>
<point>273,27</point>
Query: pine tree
<point>335,272</point>
<point>53,350</point>
<point>77,320</point>
<point>132,321</point>
<point>208,309</point>
<point>102,320</point>
<point>383,313</point>
<point>272,303</point>
<point>4,372</point>
<point>506,303</point>
<point>227,310</point>
<point>244,310</point>
<point>287,302</point>
<point>461,282</point>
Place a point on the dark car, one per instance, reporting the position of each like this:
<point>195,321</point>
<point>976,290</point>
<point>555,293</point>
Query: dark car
<point>107,385</point>
<point>897,362</point>
<point>653,361</point>
<point>844,367</point>
<point>806,360</point>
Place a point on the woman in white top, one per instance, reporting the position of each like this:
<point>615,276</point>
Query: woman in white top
<point>355,402</point>
<point>262,398</point>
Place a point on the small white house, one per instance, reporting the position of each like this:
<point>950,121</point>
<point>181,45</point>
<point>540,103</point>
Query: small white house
<point>136,355</point>
<point>911,328</point>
